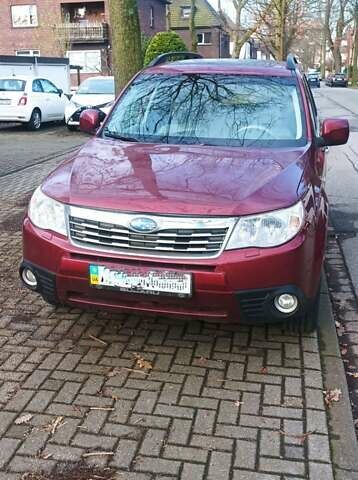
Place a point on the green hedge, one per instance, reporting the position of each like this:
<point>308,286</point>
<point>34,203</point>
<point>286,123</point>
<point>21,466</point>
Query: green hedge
<point>163,42</point>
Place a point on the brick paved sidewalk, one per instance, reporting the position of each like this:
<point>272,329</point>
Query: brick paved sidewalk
<point>219,403</point>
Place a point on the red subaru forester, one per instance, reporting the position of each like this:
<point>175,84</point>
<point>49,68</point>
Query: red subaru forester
<point>201,195</point>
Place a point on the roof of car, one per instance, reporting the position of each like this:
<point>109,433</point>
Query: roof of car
<point>229,65</point>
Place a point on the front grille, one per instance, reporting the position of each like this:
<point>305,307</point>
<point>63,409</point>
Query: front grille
<point>201,241</point>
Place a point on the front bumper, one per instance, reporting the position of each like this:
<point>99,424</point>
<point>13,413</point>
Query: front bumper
<point>239,284</point>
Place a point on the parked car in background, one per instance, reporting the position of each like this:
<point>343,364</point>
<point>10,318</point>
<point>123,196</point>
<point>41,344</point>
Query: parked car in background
<point>337,80</point>
<point>201,196</point>
<point>31,100</point>
<point>313,80</point>
<point>95,92</point>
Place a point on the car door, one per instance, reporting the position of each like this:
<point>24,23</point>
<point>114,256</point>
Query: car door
<point>54,100</point>
<point>38,99</point>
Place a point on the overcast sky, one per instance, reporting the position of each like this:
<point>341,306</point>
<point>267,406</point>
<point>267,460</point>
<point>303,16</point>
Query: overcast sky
<point>226,5</point>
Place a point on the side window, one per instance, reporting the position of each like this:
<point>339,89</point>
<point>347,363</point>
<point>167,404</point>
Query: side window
<point>48,87</point>
<point>36,86</point>
<point>312,106</point>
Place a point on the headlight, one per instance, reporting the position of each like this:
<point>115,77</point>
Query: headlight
<point>268,229</point>
<point>46,213</point>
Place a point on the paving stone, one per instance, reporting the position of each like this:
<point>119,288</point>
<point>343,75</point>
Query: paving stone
<point>192,385</point>
<point>244,475</point>
<point>192,471</point>
<point>212,443</point>
<point>157,465</point>
<point>180,431</point>
<point>40,401</point>
<point>282,466</point>
<point>204,421</point>
<point>270,443</point>
<point>125,453</point>
<point>185,453</point>
<point>245,454</point>
<point>314,399</point>
<point>96,442</point>
<point>320,471</point>
<point>318,448</point>
<point>146,402</point>
<point>219,466</point>
<point>8,447</point>
<point>228,412</point>
<point>153,442</point>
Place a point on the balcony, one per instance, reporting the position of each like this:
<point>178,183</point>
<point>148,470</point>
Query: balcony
<point>83,33</point>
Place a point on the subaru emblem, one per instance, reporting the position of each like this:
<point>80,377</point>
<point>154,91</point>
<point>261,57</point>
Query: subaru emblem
<point>143,225</point>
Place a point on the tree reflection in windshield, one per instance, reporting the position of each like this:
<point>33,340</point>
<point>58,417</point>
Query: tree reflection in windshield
<point>210,109</point>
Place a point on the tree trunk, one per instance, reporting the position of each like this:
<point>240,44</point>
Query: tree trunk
<point>282,30</point>
<point>355,49</point>
<point>192,29</point>
<point>126,41</point>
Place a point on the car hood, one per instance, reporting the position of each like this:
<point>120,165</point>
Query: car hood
<point>92,100</point>
<point>179,179</point>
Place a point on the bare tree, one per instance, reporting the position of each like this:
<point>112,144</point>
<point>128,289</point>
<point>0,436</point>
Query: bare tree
<point>337,19</point>
<point>355,47</point>
<point>284,25</point>
<point>243,29</point>
<point>126,40</point>
<point>192,27</point>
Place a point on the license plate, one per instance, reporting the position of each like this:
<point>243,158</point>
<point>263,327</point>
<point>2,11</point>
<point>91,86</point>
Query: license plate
<point>4,101</point>
<point>137,281</point>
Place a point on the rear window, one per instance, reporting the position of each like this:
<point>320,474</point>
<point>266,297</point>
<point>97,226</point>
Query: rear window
<point>95,86</point>
<point>12,85</point>
<point>232,110</point>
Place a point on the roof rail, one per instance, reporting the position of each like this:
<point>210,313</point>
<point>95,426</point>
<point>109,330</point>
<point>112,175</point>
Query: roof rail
<point>168,56</point>
<point>292,62</point>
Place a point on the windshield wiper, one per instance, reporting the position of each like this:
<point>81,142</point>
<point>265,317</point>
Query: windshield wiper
<point>112,134</point>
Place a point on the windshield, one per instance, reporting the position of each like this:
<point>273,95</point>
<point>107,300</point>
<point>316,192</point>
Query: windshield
<point>12,85</point>
<point>230,110</point>
<point>94,86</point>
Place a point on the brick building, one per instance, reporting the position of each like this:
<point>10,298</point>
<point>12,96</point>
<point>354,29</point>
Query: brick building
<point>213,40</point>
<point>79,29</point>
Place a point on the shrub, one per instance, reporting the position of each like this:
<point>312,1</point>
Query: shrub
<point>163,42</point>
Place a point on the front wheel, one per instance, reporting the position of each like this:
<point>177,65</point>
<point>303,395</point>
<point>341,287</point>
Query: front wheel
<point>308,322</point>
<point>71,128</point>
<point>35,120</point>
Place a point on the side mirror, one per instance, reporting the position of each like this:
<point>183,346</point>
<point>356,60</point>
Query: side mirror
<point>60,92</point>
<point>335,131</point>
<point>90,121</point>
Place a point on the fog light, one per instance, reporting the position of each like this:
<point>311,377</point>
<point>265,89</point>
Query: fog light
<point>286,303</point>
<point>29,278</point>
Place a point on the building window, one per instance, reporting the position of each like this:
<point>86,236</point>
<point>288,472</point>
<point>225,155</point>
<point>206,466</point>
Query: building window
<point>24,16</point>
<point>151,17</point>
<point>89,60</point>
<point>28,53</point>
<point>185,12</point>
<point>204,38</point>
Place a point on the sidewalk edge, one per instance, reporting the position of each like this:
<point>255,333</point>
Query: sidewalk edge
<point>344,446</point>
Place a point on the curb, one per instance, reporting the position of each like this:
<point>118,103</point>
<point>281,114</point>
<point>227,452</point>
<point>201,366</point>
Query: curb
<point>343,441</point>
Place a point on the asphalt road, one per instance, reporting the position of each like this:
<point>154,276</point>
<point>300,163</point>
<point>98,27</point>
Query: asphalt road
<point>20,148</point>
<point>342,175</point>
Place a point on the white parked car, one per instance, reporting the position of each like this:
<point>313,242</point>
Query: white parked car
<point>31,100</point>
<point>95,92</point>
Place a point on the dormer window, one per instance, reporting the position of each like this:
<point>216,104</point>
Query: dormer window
<point>185,12</point>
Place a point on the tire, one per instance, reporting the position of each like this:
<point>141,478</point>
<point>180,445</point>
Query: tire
<point>35,120</point>
<point>308,322</point>
<point>71,128</point>
<point>51,301</point>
